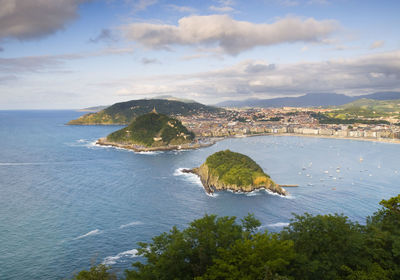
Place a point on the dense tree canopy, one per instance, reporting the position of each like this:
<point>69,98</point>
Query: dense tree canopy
<point>311,247</point>
<point>145,128</point>
<point>236,169</point>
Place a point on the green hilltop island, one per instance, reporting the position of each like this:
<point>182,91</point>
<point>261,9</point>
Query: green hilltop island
<point>227,170</point>
<point>152,132</point>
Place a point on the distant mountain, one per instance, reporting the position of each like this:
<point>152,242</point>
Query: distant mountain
<point>309,100</point>
<point>93,109</point>
<point>125,112</point>
<point>173,98</point>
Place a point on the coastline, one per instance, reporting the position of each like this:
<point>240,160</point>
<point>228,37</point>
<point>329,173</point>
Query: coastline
<point>381,140</point>
<point>213,140</point>
<point>138,148</point>
<point>212,185</point>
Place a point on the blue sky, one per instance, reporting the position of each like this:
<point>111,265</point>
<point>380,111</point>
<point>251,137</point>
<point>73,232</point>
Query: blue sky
<point>57,54</point>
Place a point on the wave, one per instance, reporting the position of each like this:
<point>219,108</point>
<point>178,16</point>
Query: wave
<point>22,163</point>
<point>277,194</point>
<point>126,254</point>
<point>190,177</point>
<point>90,233</point>
<point>94,144</point>
<point>149,153</point>
<point>135,223</point>
<point>213,195</point>
<point>280,224</point>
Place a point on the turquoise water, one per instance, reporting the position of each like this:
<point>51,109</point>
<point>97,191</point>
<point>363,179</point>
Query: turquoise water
<point>65,203</point>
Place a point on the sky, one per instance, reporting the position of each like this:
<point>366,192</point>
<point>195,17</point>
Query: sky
<point>69,54</point>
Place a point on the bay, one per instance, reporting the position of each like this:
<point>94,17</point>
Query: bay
<point>66,203</point>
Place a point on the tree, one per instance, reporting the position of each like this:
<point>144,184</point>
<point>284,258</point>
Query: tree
<point>326,246</point>
<point>263,256</point>
<point>311,247</point>
<point>383,236</point>
<point>97,272</point>
<point>188,253</point>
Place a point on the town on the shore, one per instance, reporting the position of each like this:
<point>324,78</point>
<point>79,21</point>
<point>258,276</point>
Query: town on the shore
<point>236,122</point>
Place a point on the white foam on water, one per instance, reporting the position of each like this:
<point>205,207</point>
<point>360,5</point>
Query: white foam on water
<point>288,196</point>
<point>94,144</point>
<point>131,224</point>
<point>253,193</point>
<point>81,143</point>
<point>190,177</point>
<point>213,195</point>
<point>280,224</point>
<point>90,233</point>
<point>126,254</point>
<point>21,163</point>
<point>149,152</point>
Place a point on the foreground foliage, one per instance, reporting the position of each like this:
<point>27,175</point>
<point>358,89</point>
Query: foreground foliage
<point>311,247</point>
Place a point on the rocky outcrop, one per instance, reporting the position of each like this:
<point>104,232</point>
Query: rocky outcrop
<point>212,183</point>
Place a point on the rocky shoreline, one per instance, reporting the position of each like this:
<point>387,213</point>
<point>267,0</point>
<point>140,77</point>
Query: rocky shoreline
<point>140,148</point>
<point>212,183</point>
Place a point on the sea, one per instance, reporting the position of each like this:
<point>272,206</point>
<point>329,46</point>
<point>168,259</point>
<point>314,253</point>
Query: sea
<point>66,204</point>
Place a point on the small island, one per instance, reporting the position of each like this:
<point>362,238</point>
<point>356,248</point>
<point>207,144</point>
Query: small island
<point>227,170</point>
<point>152,132</point>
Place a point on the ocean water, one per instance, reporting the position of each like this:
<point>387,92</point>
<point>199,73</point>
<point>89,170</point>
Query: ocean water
<point>66,204</point>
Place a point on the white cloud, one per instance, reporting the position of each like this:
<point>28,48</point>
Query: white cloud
<point>44,63</point>
<point>221,9</point>
<point>181,9</point>
<point>319,2</point>
<point>289,3</point>
<point>378,72</point>
<point>231,35</point>
<point>27,19</point>
<point>146,61</point>
<point>377,44</point>
<point>141,5</point>
<point>105,35</point>
<point>304,49</point>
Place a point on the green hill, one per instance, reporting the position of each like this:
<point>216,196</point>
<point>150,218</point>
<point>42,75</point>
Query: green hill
<point>153,130</point>
<point>367,111</point>
<point>367,107</point>
<point>235,168</point>
<point>227,170</point>
<point>125,112</point>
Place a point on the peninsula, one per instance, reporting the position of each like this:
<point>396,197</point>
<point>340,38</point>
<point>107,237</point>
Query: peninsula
<point>227,170</point>
<point>152,132</point>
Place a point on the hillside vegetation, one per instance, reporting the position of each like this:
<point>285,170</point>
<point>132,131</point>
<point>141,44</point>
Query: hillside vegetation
<point>329,247</point>
<point>152,130</point>
<point>236,169</point>
<point>125,112</point>
<point>366,111</point>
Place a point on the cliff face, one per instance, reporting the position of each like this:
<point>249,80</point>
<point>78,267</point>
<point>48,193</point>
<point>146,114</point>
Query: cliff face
<point>212,183</point>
